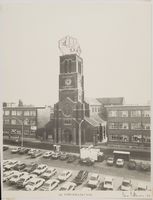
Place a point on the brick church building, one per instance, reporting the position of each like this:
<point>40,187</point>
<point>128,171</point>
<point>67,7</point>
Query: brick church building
<point>73,123</point>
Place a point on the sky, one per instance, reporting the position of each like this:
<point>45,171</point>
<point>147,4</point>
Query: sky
<point>115,39</point>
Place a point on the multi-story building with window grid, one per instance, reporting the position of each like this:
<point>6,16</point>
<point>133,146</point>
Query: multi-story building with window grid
<point>28,118</point>
<point>128,124</point>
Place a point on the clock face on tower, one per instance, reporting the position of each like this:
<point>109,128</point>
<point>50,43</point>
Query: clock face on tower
<point>67,109</point>
<point>68,82</point>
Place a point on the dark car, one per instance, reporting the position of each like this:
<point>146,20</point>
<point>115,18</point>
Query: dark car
<point>24,150</point>
<point>86,161</point>
<point>144,166</point>
<point>31,167</point>
<point>36,154</point>
<point>71,159</point>
<point>131,165</point>
<point>81,177</point>
<point>19,166</point>
<point>5,148</point>
<point>63,156</point>
<point>110,161</point>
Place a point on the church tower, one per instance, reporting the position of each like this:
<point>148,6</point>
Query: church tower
<point>70,111</point>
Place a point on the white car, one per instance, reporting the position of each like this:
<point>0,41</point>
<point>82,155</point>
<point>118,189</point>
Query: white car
<point>8,174</point>
<point>141,187</point>
<point>119,162</point>
<point>11,164</point>
<point>31,151</point>
<point>126,185</point>
<point>108,183</point>
<point>49,173</point>
<point>93,181</point>
<point>24,180</point>
<point>64,175</point>
<point>16,150</point>
<point>16,177</point>
<point>47,154</point>
<point>50,185</point>
<point>40,169</point>
<point>6,162</point>
<point>68,186</point>
<point>86,189</point>
<point>34,184</point>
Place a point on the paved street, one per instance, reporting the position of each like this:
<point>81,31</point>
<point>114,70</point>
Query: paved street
<point>101,168</point>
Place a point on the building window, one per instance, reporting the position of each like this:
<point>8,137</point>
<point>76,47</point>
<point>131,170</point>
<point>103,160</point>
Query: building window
<point>136,113</point>
<point>6,121</point>
<point>26,113</point>
<point>113,125</point>
<point>13,121</point>
<point>123,113</point>
<point>79,67</point>
<point>120,138</point>
<point>146,126</point>
<point>65,66</point>
<point>32,122</point>
<point>136,126</point>
<point>70,66</point>
<point>123,126</point>
<point>112,113</point>
<point>67,122</point>
<point>14,112</point>
<point>26,122</point>
<point>6,112</point>
<point>19,112</point>
<point>32,112</point>
<point>92,109</point>
<point>146,113</point>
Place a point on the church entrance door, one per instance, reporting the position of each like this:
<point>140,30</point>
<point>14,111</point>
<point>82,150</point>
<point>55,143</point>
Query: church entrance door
<point>67,136</point>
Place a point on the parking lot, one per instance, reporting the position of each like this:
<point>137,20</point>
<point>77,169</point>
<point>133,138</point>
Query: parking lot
<point>100,168</point>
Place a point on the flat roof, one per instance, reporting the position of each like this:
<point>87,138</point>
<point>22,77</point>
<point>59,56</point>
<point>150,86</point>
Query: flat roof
<point>121,152</point>
<point>128,105</point>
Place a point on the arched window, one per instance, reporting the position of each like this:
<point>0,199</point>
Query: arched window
<point>65,66</point>
<point>79,67</point>
<point>70,66</point>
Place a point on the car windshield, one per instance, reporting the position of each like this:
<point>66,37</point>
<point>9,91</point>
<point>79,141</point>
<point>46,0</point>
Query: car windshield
<point>63,188</point>
<point>15,176</point>
<point>39,167</point>
<point>108,182</point>
<point>110,159</point>
<point>46,185</point>
<point>48,171</point>
<point>93,178</point>
<point>22,179</point>
<point>80,174</point>
<point>62,174</point>
<point>31,183</point>
<point>125,183</point>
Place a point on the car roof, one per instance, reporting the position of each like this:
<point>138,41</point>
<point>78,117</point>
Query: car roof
<point>50,168</point>
<point>126,180</point>
<point>94,175</point>
<point>52,180</point>
<point>68,183</point>
<point>119,159</point>
<point>65,171</point>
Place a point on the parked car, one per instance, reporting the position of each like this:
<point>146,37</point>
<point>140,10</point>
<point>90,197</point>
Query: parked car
<point>19,166</point>
<point>24,150</point>
<point>31,151</point>
<point>131,164</point>
<point>48,154</point>
<point>24,180</point>
<point>11,164</point>
<point>16,150</point>
<point>36,154</point>
<point>5,147</point>
<point>63,156</point>
<point>34,184</point>
<point>110,161</point>
<point>86,189</point>
<point>49,173</point>
<point>40,169</point>
<point>71,158</point>
<point>50,185</point>
<point>141,187</point>
<point>16,177</point>
<point>81,177</point>
<point>119,162</point>
<point>107,184</point>
<point>55,155</point>
<point>31,167</point>
<point>8,174</point>
<point>86,161</point>
<point>68,186</point>
<point>145,166</point>
<point>126,185</point>
<point>94,180</point>
<point>64,175</point>
<point>6,162</point>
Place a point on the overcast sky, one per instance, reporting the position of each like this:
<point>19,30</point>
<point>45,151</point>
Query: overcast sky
<point>116,49</point>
